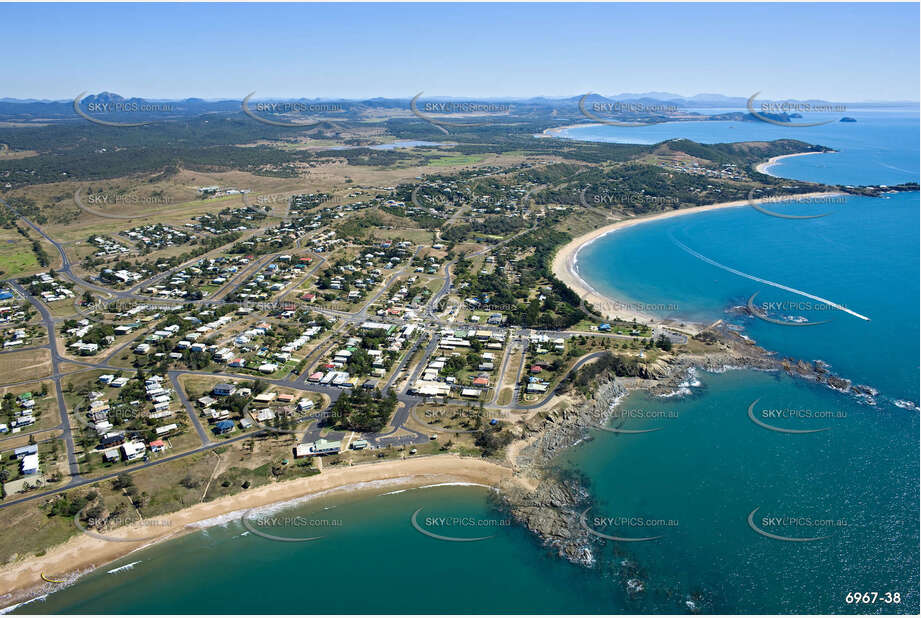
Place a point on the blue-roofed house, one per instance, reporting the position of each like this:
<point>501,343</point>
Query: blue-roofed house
<point>221,427</point>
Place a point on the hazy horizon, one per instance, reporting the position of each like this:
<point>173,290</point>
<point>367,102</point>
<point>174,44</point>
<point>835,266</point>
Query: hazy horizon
<point>332,97</point>
<point>832,52</point>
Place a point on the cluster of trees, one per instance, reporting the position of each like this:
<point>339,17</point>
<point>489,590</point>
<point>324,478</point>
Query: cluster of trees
<point>125,482</point>
<point>620,366</point>
<point>68,504</point>
<point>491,226</point>
<point>365,411</point>
<point>492,438</point>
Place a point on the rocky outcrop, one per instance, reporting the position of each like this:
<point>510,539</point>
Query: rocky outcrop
<point>552,509</point>
<point>820,373</point>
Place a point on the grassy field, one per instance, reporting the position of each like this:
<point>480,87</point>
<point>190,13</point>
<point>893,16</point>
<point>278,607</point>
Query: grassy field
<point>16,258</point>
<point>456,160</point>
<point>25,365</point>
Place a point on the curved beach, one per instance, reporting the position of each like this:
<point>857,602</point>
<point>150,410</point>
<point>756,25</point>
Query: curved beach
<point>765,166</point>
<point>564,262</point>
<point>23,579</point>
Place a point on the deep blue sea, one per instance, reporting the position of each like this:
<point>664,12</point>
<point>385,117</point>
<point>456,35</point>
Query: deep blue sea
<point>843,500</point>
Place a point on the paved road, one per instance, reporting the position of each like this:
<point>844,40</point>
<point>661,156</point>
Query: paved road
<point>189,408</point>
<point>398,435</point>
<point>56,359</point>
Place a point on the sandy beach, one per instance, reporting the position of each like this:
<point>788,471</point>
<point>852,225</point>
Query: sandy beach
<point>612,308</point>
<point>766,165</point>
<point>22,579</point>
<point>556,131</point>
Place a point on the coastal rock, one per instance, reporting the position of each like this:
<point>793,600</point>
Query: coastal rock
<point>552,510</point>
<point>635,586</point>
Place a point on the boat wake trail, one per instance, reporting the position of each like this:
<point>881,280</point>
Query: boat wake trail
<point>765,281</point>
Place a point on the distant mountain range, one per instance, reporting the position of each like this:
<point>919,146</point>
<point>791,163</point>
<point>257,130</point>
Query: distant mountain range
<point>701,100</point>
<point>35,110</point>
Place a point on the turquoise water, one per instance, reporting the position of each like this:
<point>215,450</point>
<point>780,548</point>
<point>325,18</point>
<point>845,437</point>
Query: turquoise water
<point>708,466</point>
<point>828,257</point>
<point>698,476</point>
<point>880,148</point>
<point>373,561</point>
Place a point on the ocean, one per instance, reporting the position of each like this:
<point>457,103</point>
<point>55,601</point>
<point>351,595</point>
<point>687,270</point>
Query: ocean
<point>713,484</point>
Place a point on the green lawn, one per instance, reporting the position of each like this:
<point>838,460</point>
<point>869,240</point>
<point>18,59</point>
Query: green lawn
<point>17,258</point>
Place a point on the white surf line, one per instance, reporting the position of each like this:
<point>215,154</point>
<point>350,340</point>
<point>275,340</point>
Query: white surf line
<point>766,282</point>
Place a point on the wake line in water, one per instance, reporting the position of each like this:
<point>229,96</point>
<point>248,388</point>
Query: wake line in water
<point>766,282</point>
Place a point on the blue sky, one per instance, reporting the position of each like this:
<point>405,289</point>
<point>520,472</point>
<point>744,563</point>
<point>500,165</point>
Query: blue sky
<point>852,52</point>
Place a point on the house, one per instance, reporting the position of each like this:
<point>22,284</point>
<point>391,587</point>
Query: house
<point>264,415</point>
<point>112,440</point>
<point>111,455</point>
<point>470,392</point>
<point>157,445</point>
<point>304,404</point>
<point>481,381</point>
<point>224,390</point>
<point>30,464</point>
<point>268,368</point>
<point>318,448</point>
<point>426,388</point>
<point>165,429</point>
<point>216,415</point>
<point>23,451</point>
<point>359,444</point>
<point>133,450</point>
<point>222,427</point>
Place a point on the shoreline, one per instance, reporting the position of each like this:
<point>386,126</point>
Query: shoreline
<point>556,131</point>
<point>765,166</point>
<point>566,258</point>
<point>21,580</point>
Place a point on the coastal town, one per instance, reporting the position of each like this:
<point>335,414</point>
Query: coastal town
<point>212,345</point>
